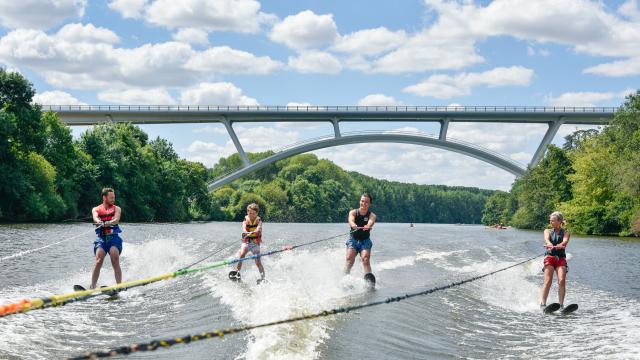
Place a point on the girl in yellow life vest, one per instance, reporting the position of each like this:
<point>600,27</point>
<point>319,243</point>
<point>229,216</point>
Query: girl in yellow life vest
<point>251,239</point>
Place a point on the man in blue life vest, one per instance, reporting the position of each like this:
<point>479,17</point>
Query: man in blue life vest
<point>361,221</point>
<point>107,216</point>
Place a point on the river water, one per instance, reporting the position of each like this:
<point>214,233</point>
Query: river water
<point>495,317</point>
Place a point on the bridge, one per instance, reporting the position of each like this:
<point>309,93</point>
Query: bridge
<point>553,117</point>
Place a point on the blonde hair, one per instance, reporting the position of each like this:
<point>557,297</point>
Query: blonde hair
<point>558,215</point>
<point>253,206</point>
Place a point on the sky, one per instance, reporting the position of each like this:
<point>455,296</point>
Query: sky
<point>357,52</point>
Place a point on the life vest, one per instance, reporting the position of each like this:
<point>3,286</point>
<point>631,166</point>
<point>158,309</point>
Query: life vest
<point>249,226</point>
<point>556,239</point>
<point>107,215</point>
<point>361,220</point>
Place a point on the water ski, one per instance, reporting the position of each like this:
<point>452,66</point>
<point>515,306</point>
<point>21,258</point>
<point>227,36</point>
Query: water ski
<point>569,309</point>
<point>113,294</point>
<point>261,281</point>
<point>234,275</point>
<point>551,308</point>
<point>370,279</point>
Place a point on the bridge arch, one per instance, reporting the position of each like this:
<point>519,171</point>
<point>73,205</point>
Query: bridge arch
<point>412,138</point>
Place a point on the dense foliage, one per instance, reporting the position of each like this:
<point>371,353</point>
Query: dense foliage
<point>45,175</point>
<point>304,188</point>
<point>594,179</point>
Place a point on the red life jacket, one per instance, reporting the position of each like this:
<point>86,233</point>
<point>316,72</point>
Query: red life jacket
<point>106,215</point>
<point>249,226</point>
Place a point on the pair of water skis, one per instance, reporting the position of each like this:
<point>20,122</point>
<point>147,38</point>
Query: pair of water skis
<point>111,294</point>
<point>552,308</point>
<point>234,276</point>
<point>369,279</point>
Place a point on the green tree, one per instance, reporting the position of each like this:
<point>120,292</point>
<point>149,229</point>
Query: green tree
<point>498,209</point>
<point>541,189</point>
<point>606,183</point>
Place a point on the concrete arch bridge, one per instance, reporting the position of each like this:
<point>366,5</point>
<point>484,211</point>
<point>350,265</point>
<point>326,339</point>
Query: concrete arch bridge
<point>553,117</point>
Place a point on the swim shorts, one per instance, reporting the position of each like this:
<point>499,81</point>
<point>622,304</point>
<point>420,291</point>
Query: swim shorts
<point>359,245</point>
<point>106,242</point>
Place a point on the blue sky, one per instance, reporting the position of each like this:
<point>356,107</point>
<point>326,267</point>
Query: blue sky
<point>431,52</point>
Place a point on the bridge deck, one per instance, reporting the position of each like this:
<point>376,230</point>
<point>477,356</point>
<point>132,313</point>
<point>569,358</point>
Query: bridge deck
<point>159,114</point>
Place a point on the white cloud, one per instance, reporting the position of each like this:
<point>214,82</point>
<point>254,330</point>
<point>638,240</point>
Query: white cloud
<point>226,60</point>
<point>191,36</point>
<point>35,49</point>
<point>155,65</point>
<point>305,30</point>
<point>505,139</point>
<point>294,104</point>
<point>212,129</point>
<point>371,41</point>
<point>450,41</point>
<point>630,9</point>
<point>445,86</point>
<point>358,62</point>
<point>128,8</point>
<point>628,67</point>
<point>56,97</point>
<point>252,138</point>
<point>262,138</point>
<point>221,93</point>
<point>79,33</point>
<point>39,14</point>
<point>208,153</point>
<point>418,164</point>
<point>84,57</point>
<point>570,129</point>
<point>587,98</point>
<point>585,25</point>
<point>521,157</point>
<point>137,96</point>
<point>404,129</point>
<point>429,50</point>
<point>211,15</point>
<point>377,100</point>
<point>317,62</point>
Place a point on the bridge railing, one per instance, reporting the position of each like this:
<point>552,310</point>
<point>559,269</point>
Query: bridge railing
<point>312,109</point>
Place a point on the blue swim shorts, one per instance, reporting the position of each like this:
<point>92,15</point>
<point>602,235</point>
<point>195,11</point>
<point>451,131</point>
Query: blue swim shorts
<point>359,245</point>
<point>106,242</point>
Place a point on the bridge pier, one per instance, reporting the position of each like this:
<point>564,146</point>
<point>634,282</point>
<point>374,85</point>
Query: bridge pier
<point>236,142</point>
<point>444,126</point>
<point>336,127</point>
<point>546,140</point>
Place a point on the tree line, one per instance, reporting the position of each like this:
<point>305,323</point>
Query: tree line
<point>304,188</point>
<point>594,179</point>
<point>46,175</point>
